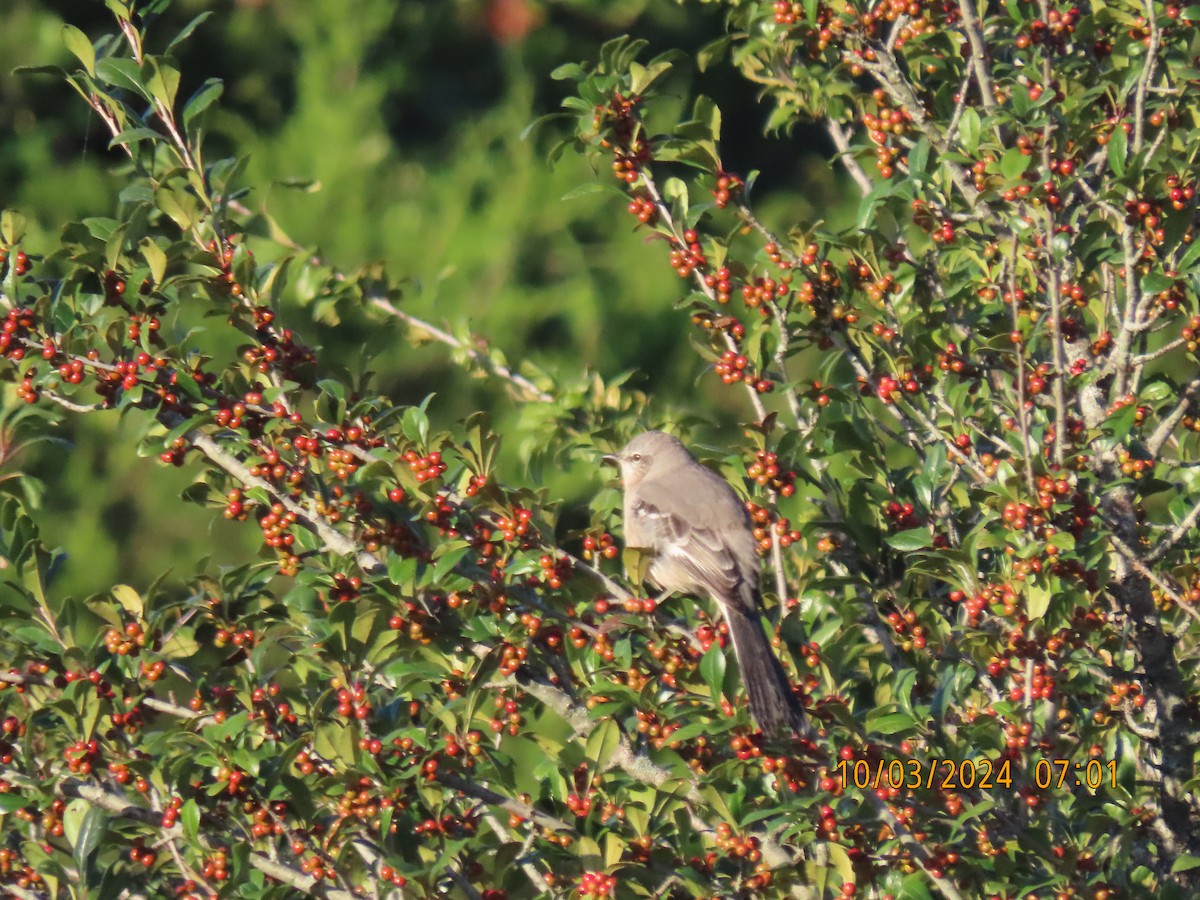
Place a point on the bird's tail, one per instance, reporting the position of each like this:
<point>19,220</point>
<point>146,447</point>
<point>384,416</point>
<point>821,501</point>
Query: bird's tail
<point>772,702</point>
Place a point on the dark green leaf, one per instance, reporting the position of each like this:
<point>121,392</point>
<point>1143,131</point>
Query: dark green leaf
<point>189,816</point>
<point>913,539</point>
<point>891,723</point>
<point>186,31</point>
<point>122,73</point>
<point>712,669</point>
<point>204,97</point>
<point>91,830</point>
<point>1117,146</point>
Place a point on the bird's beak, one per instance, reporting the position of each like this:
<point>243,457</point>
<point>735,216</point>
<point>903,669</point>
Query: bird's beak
<point>611,458</point>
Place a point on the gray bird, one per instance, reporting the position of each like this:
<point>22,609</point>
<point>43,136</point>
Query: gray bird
<point>702,542</point>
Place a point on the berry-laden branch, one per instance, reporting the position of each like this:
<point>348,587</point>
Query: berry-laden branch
<point>332,539</point>
<point>120,806</point>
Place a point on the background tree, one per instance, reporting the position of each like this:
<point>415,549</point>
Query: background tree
<point>967,443</point>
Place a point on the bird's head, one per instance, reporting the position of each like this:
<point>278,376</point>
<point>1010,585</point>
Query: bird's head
<point>645,453</point>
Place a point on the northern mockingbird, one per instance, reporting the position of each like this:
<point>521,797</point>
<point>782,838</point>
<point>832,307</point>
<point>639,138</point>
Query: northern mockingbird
<point>702,542</point>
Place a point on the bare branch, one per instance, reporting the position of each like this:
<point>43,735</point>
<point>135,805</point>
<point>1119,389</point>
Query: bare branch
<point>1142,358</point>
<point>490,797</point>
<point>1054,289</point>
<point>846,157</point>
<point>979,54</point>
<point>68,404</point>
<point>1119,360</point>
<point>526,387</point>
<point>1149,65</point>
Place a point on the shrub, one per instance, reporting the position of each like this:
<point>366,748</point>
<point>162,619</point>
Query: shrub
<point>967,457</point>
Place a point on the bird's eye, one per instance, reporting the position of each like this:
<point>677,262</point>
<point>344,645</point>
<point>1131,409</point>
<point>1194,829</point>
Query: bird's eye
<point>636,457</point>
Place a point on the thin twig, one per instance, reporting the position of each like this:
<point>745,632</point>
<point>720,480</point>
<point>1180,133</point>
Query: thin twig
<point>481,359</point>
<point>523,858</point>
<point>1187,399</point>
<point>1022,412</point>
<point>846,157</point>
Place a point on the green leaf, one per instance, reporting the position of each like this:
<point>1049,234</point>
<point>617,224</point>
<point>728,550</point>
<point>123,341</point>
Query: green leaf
<point>717,801</point>
<point>335,742</point>
<point>1014,163</point>
<point>133,135</point>
<point>163,81</point>
<point>637,563</point>
<point>402,570</point>
<point>57,71</point>
<point>77,42</point>
<point>969,129</point>
<point>155,258</point>
<point>180,645</point>
<point>205,96</point>
<point>914,888</point>
<point>187,30</point>
<point>12,226</point>
<point>1118,144</point>
<point>449,556</point>
<point>1037,600</point>
<point>122,72</point>
<point>568,72</point>
<point>675,192</point>
<point>913,539</point>
<point>91,830</point>
<point>712,52</point>
<point>1156,283</point>
<point>363,627</point>
<point>602,743</point>
<point>1185,863</point>
<point>1190,257</point>
<point>130,599</point>
<point>189,815</point>
<point>707,113</point>
<point>583,190</point>
<point>641,77</point>
<point>415,425</point>
<point>918,158</point>
<point>712,670</point>
<point>72,819</point>
<point>891,723</point>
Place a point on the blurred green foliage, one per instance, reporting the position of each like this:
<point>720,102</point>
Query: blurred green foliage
<point>391,134</point>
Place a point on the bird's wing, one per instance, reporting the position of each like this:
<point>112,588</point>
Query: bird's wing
<point>703,530</point>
